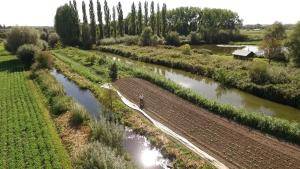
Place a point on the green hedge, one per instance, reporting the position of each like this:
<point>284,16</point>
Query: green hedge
<point>270,92</point>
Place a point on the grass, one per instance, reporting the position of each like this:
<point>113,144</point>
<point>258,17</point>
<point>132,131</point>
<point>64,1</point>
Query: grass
<point>28,136</point>
<point>224,69</point>
<point>183,157</point>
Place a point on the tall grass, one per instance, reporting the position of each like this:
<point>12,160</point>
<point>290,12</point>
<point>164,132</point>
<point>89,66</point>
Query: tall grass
<point>98,156</point>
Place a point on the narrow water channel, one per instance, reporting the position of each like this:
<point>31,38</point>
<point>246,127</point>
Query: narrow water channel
<point>137,146</point>
<point>213,90</point>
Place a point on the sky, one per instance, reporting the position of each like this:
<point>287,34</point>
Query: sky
<point>41,12</point>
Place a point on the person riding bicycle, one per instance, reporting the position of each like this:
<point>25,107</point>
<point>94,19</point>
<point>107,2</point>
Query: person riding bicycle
<point>141,98</point>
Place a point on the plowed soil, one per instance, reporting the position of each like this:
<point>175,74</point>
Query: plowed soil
<point>234,145</point>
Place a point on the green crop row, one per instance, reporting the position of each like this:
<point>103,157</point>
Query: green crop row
<point>26,134</point>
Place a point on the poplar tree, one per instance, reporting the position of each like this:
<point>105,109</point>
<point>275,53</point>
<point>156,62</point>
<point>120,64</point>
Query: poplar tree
<point>114,24</point>
<point>164,20</point>
<point>93,22</point>
<point>152,17</point>
<point>107,19</point>
<point>146,13</point>
<point>86,40</point>
<point>140,19</point>
<point>132,27</point>
<point>84,17</point>
<point>100,21</point>
<point>120,20</point>
<point>158,21</point>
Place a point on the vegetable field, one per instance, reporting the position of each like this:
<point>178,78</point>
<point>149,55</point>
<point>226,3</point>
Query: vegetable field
<point>28,138</point>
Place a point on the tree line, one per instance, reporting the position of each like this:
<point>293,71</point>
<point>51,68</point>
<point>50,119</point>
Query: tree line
<point>213,25</point>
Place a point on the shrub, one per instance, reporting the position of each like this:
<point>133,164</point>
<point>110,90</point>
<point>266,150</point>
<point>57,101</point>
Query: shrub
<point>146,37</point>
<point>186,49</point>
<point>20,36</point>
<point>79,114</point>
<point>95,155</point>
<point>109,134</point>
<point>53,39</point>
<point>91,60</point>
<point>113,73</point>
<point>43,60</point>
<point>173,39</point>
<point>44,36</point>
<point>259,73</point>
<point>131,40</point>
<point>26,54</point>
<point>60,104</point>
<point>43,45</point>
<point>102,61</point>
<point>195,38</point>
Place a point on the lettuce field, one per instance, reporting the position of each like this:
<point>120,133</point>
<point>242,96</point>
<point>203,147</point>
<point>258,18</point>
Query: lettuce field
<point>28,138</point>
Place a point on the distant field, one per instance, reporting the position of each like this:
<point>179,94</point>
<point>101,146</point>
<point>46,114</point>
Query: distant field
<point>28,138</point>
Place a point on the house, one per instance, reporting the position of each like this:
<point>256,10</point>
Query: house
<point>243,54</point>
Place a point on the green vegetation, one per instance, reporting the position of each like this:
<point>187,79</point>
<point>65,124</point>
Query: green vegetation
<point>294,44</point>
<point>19,36</point>
<point>28,136</point>
<point>26,54</point>
<point>113,73</point>
<point>96,155</point>
<point>108,133</point>
<point>226,70</point>
<point>79,115</point>
<point>173,39</point>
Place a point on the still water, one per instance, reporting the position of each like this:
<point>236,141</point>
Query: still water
<point>213,90</point>
<point>137,146</point>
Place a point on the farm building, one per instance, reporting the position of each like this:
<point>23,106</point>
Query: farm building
<point>243,54</point>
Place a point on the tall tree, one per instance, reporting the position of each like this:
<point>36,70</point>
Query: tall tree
<point>76,10</point>
<point>86,39</point>
<point>158,21</point>
<point>93,22</point>
<point>294,45</point>
<point>107,19</point>
<point>146,13</point>
<point>84,16</point>
<point>114,24</point>
<point>66,25</point>
<point>132,27</point>
<point>272,43</point>
<point>100,21</point>
<point>120,20</point>
<point>164,20</point>
<point>140,19</point>
<point>152,17</point>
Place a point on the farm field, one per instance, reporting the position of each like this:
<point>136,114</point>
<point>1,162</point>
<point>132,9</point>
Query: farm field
<point>237,146</point>
<point>27,133</point>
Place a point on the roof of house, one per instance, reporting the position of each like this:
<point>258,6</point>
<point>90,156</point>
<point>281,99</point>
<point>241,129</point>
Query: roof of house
<point>242,52</point>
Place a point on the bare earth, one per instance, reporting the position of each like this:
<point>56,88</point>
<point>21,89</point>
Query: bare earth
<point>234,145</point>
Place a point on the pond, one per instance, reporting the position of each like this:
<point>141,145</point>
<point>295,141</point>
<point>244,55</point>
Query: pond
<point>137,146</point>
<point>215,91</point>
<point>229,49</point>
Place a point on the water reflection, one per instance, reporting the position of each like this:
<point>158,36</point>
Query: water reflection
<point>213,90</point>
<point>139,146</point>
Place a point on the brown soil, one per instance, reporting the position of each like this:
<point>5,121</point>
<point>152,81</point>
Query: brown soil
<point>71,136</point>
<point>232,144</point>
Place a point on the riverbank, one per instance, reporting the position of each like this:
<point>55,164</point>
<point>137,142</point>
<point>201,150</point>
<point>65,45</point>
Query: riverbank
<point>224,69</point>
<point>183,158</point>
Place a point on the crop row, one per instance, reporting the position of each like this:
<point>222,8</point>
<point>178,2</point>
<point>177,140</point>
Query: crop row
<point>26,141</point>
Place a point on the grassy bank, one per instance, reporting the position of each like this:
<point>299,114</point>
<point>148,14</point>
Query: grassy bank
<point>273,126</point>
<point>283,84</point>
<point>183,158</point>
<point>28,136</point>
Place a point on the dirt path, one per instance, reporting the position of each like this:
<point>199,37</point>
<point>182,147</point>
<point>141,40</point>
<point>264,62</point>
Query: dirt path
<point>232,144</point>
